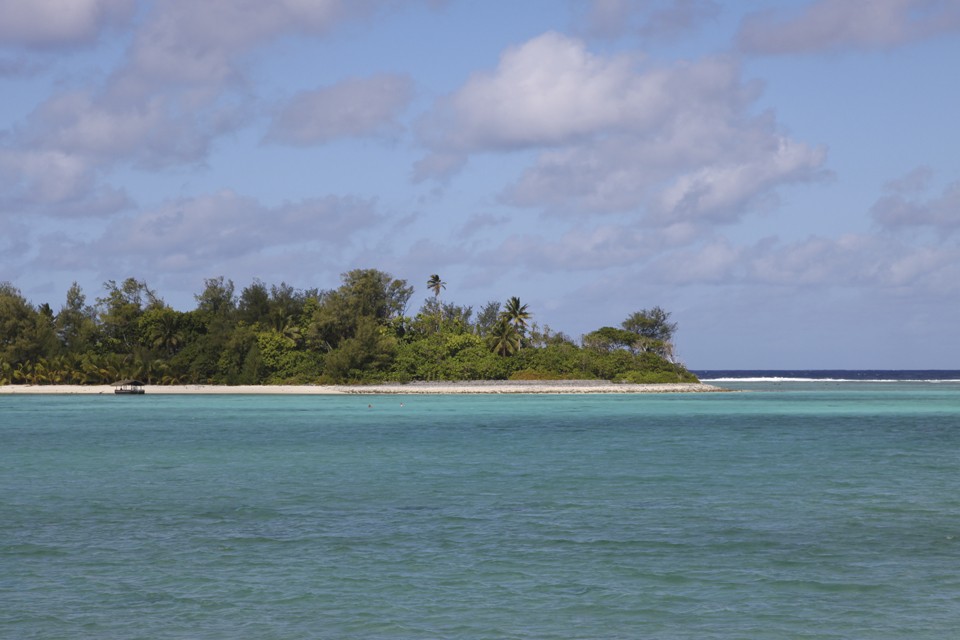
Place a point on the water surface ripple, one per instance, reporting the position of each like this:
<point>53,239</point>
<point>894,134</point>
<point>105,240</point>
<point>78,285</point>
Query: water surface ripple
<point>793,511</point>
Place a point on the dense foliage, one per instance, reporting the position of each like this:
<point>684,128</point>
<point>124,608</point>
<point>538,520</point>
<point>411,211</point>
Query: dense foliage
<point>358,332</point>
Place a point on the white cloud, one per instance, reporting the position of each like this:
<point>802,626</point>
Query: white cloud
<point>915,180</point>
<point>586,248</point>
<point>545,92</point>
<point>353,108</point>
<point>607,18</point>
<point>56,23</point>
<point>815,261</point>
<point>53,183</point>
<point>198,233</point>
<point>678,142</point>
<point>197,43</point>
<point>900,210</point>
<point>830,25</point>
<point>723,190</point>
<point>851,261</point>
<point>438,166</point>
<point>667,19</point>
<point>150,133</point>
<point>202,44</point>
<point>657,19</point>
<point>182,85</point>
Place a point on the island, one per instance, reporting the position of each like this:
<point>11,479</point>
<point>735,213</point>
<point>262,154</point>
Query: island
<point>356,338</point>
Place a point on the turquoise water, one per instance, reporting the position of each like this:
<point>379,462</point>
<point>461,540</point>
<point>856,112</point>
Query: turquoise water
<point>804,510</point>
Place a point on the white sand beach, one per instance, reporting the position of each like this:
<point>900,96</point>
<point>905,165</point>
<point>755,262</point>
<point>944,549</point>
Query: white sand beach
<point>476,387</point>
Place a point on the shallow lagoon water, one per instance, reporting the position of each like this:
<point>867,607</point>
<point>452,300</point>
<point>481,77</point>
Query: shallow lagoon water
<point>792,510</point>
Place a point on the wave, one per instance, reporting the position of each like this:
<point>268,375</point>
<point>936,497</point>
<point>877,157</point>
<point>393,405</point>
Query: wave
<point>864,375</point>
<point>703,379</point>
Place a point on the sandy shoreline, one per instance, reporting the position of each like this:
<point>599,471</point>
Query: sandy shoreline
<point>485,387</point>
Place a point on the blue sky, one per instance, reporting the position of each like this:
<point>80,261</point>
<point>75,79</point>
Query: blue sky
<point>781,175</point>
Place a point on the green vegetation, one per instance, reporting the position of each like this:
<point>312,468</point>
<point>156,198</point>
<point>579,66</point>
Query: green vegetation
<point>356,333</point>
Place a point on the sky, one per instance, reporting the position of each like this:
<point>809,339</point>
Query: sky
<point>783,176</point>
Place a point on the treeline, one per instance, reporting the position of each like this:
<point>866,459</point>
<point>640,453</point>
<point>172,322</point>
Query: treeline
<point>357,333</point>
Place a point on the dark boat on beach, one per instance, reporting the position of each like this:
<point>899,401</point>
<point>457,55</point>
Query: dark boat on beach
<point>129,387</point>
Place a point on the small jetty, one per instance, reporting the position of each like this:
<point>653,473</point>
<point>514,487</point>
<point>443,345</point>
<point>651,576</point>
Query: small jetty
<point>128,387</point>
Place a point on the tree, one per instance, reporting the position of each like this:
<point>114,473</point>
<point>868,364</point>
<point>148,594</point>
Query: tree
<point>368,353</point>
<point>504,339</point>
<point>436,316</point>
<point>273,334</point>
<point>435,284</point>
<point>286,306</point>
<point>25,334</point>
<point>75,324</point>
<point>365,293</point>
<point>487,318</point>
<point>374,293</point>
<point>217,297</point>
<point>254,303</point>
<point>606,339</point>
<point>651,323</point>
<point>516,314</point>
<point>211,324</point>
<point>161,329</point>
<point>120,310</point>
<point>654,331</point>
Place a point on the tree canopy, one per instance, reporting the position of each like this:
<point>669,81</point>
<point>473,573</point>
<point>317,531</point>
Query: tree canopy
<point>359,331</point>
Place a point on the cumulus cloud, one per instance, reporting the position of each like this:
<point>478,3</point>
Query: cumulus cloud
<point>652,19</point>
<point>848,261</point>
<point>907,205</point>
<point>164,106</point>
<point>688,255</point>
<point>725,188</point>
<point>197,43</point>
<point>358,107</point>
<point>55,163</point>
<point>183,82</point>
<point>181,86</point>
<point>199,232</point>
<point>45,24</point>
<point>832,25</point>
<point>53,183</point>
<point>544,92</point>
<point>203,43</point>
<point>917,179</point>
<point>678,141</point>
<point>152,133</point>
<point>585,247</point>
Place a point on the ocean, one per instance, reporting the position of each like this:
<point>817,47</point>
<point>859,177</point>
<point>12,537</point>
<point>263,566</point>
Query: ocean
<point>801,508</point>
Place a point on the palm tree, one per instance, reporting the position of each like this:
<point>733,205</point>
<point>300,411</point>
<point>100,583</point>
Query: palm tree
<point>435,284</point>
<point>503,338</point>
<point>516,314</point>
<point>292,331</point>
<point>166,334</point>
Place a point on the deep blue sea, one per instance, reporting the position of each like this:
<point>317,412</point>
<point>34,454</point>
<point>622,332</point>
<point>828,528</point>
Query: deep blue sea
<point>798,509</point>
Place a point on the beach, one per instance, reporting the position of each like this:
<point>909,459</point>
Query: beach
<point>423,388</point>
